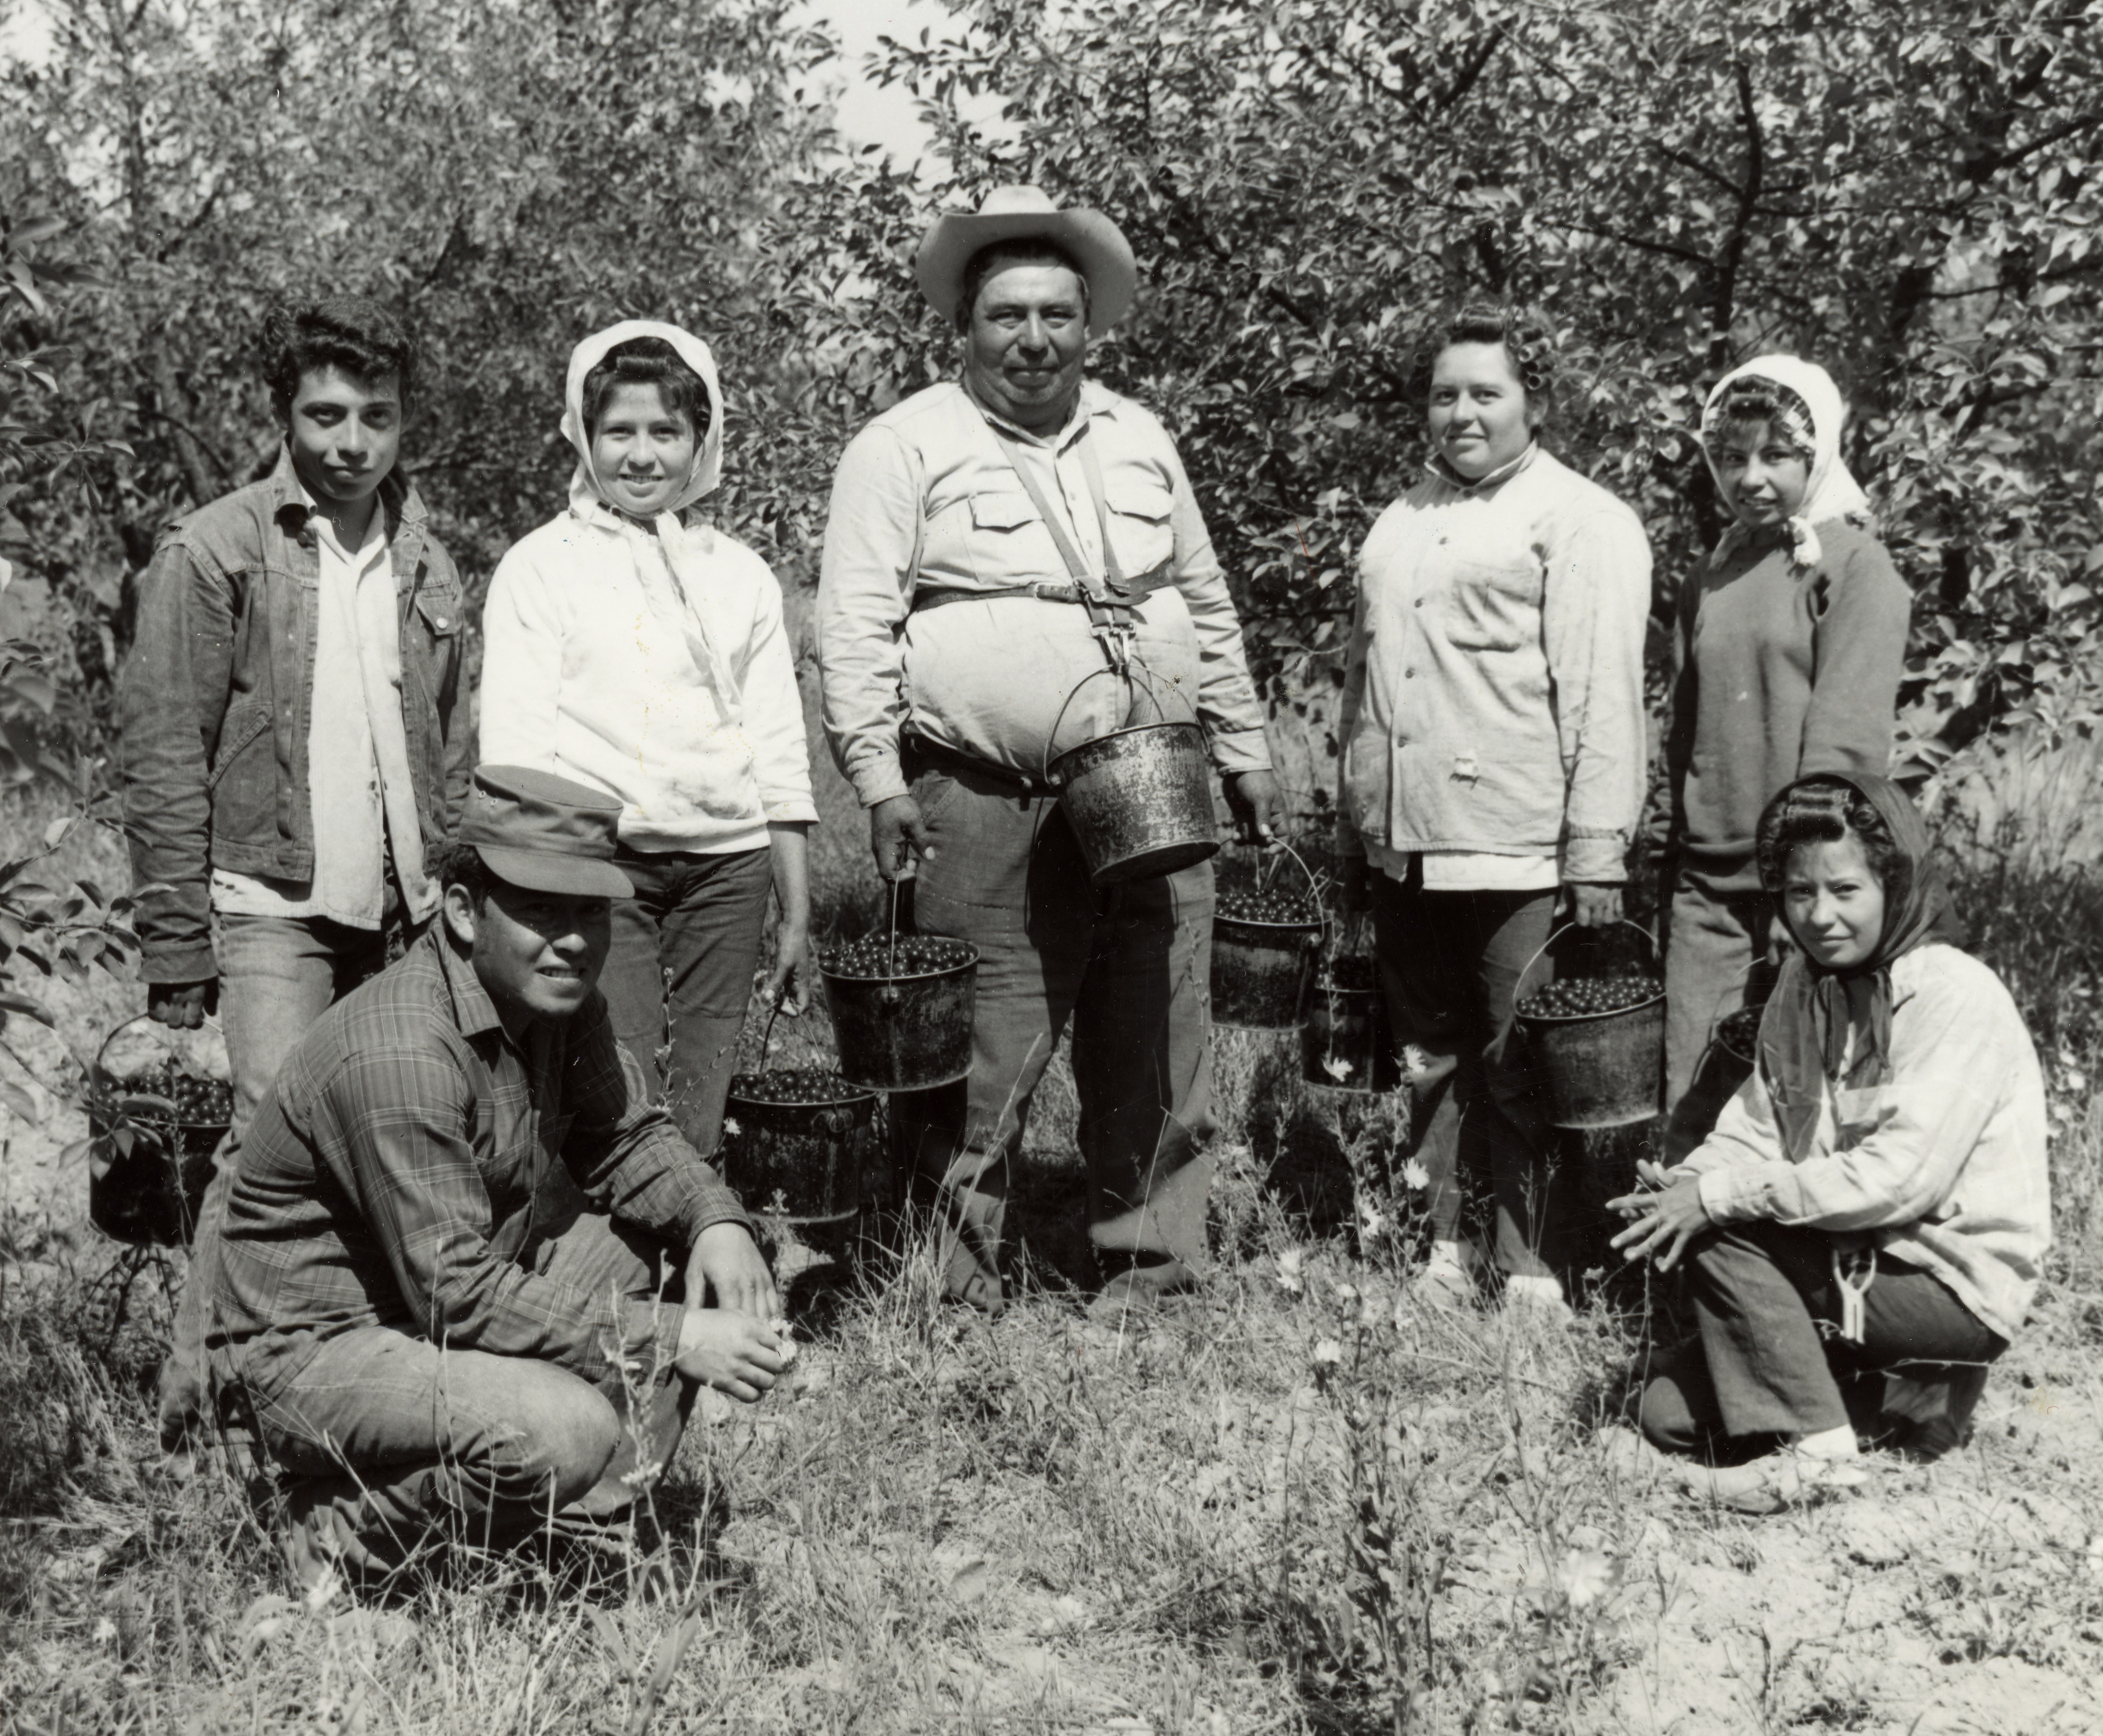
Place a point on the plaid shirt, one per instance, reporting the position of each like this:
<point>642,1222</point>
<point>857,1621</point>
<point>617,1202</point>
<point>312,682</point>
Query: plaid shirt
<point>404,1160</point>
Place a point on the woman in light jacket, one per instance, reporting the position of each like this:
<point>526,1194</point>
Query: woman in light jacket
<point>631,646</point>
<point>1873,1206</point>
<point>1493,761</point>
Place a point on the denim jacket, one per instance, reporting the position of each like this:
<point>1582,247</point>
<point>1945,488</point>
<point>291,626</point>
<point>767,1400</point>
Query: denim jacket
<point>216,696</point>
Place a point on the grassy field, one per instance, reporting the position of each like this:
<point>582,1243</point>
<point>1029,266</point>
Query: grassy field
<point>1297,1503</point>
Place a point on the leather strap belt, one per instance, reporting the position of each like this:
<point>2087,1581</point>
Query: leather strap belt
<point>1134,590</point>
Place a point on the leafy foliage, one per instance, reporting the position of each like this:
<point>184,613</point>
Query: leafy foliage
<point>1903,192</point>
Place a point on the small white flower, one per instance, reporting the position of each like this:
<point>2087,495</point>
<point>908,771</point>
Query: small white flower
<point>731,1127</point>
<point>1328,1353</point>
<point>1288,1271</point>
<point>1585,1577</point>
<point>1346,1294</point>
<point>1336,1067</point>
<point>1372,1225</point>
<point>1416,1175</point>
<point>105,1631</point>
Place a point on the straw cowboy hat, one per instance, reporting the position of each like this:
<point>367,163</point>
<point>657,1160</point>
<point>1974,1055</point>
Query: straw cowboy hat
<point>1016,213</point>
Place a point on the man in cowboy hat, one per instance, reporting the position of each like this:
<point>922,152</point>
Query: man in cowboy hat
<point>997,543</point>
<point>439,1284</point>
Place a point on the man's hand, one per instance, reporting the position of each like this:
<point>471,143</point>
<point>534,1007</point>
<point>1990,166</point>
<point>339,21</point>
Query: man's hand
<point>729,1351</point>
<point>791,975</point>
<point>725,1261</point>
<point>1595,906</point>
<point>1253,799</point>
<point>1664,1217</point>
<point>183,1005</point>
<point>895,829</point>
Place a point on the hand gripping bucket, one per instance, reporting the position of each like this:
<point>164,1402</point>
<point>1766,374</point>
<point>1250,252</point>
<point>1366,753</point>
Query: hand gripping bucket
<point>905,1025</point>
<point>801,1145</point>
<point>1597,1069</point>
<point>151,1144</point>
<point>1260,969</point>
<point>1140,799</point>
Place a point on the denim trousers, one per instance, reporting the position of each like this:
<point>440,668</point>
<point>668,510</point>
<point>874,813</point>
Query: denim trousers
<point>1770,1360</point>
<point>678,977</point>
<point>1130,966</point>
<point>277,976</point>
<point>390,1444</point>
<point>1715,962</point>
<point>1450,965</point>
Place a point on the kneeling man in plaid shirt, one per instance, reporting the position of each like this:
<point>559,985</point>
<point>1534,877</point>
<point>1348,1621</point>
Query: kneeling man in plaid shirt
<point>443,1289</point>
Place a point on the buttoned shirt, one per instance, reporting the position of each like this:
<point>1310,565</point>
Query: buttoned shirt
<point>408,1153</point>
<point>927,500</point>
<point>358,751</point>
<point>1493,698</point>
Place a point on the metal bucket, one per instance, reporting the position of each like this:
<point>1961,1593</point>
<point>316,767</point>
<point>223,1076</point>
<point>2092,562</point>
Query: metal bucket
<point>907,1032</point>
<point>1140,800</point>
<point>1597,1069</point>
<point>812,1164</point>
<point>1261,970</point>
<point>149,1156</point>
<point>1346,1044</point>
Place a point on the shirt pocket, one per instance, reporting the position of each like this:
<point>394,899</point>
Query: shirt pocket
<point>1141,526</point>
<point>1492,605</point>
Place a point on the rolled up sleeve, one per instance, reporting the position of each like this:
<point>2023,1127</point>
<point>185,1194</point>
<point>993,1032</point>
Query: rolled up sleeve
<point>864,594</point>
<point>1594,622</point>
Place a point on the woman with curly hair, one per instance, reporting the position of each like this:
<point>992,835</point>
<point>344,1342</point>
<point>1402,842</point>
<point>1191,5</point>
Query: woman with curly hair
<point>1791,638</point>
<point>1493,761</point>
<point>1872,1210</point>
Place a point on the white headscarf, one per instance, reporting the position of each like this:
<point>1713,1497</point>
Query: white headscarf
<point>1813,413</point>
<point>686,547</point>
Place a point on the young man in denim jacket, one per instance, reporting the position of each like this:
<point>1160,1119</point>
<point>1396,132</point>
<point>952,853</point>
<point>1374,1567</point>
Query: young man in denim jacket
<point>294,739</point>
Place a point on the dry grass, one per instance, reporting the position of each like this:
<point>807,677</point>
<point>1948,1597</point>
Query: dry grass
<point>1299,1503</point>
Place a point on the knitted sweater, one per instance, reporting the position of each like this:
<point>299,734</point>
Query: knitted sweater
<point>1778,673</point>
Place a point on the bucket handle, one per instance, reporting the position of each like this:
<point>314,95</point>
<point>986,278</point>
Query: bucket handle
<point>1519,982</point>
<point>1313,884</point>
<point>1136,670</point>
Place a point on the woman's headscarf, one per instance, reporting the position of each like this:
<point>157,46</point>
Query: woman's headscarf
<point>1804,1036</point>
<point>686,547</point>
<point>1811,415</point>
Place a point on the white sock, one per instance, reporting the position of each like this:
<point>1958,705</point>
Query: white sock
<point>1835,1443</point>
<point>1523,1288</point>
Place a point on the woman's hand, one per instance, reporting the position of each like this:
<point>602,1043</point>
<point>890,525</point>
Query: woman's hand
<point>729,1351</point>
<point>1594,906</point>
<point>1664,1217</point>
<point>788,983</point>
<point>725,1261</point>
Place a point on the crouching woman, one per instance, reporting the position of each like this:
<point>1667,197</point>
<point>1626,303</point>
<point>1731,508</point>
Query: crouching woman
<point>1872,1208</point>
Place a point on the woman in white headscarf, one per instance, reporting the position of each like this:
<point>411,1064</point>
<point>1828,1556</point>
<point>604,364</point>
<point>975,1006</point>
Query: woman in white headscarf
<point>1791,639</point>
<point>629,645</point>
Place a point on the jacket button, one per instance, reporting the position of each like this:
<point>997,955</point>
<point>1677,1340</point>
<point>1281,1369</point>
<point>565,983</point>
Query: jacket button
<point>1409,674</point>
<point>1420,603</point>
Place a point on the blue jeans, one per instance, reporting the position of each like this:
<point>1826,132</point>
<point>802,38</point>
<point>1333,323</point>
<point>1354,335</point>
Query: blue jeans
<point>1450,965</point>
<point>678,977</point>
<point>1131,966</point>
<point>392,1443</point>
<point>277,976</point>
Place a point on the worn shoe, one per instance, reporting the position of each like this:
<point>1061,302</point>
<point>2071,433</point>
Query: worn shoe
<point>1141,1289</point>
<point>1791,1478</point>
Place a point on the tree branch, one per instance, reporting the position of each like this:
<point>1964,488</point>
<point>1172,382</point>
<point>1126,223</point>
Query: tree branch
<point>1724,306</point>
